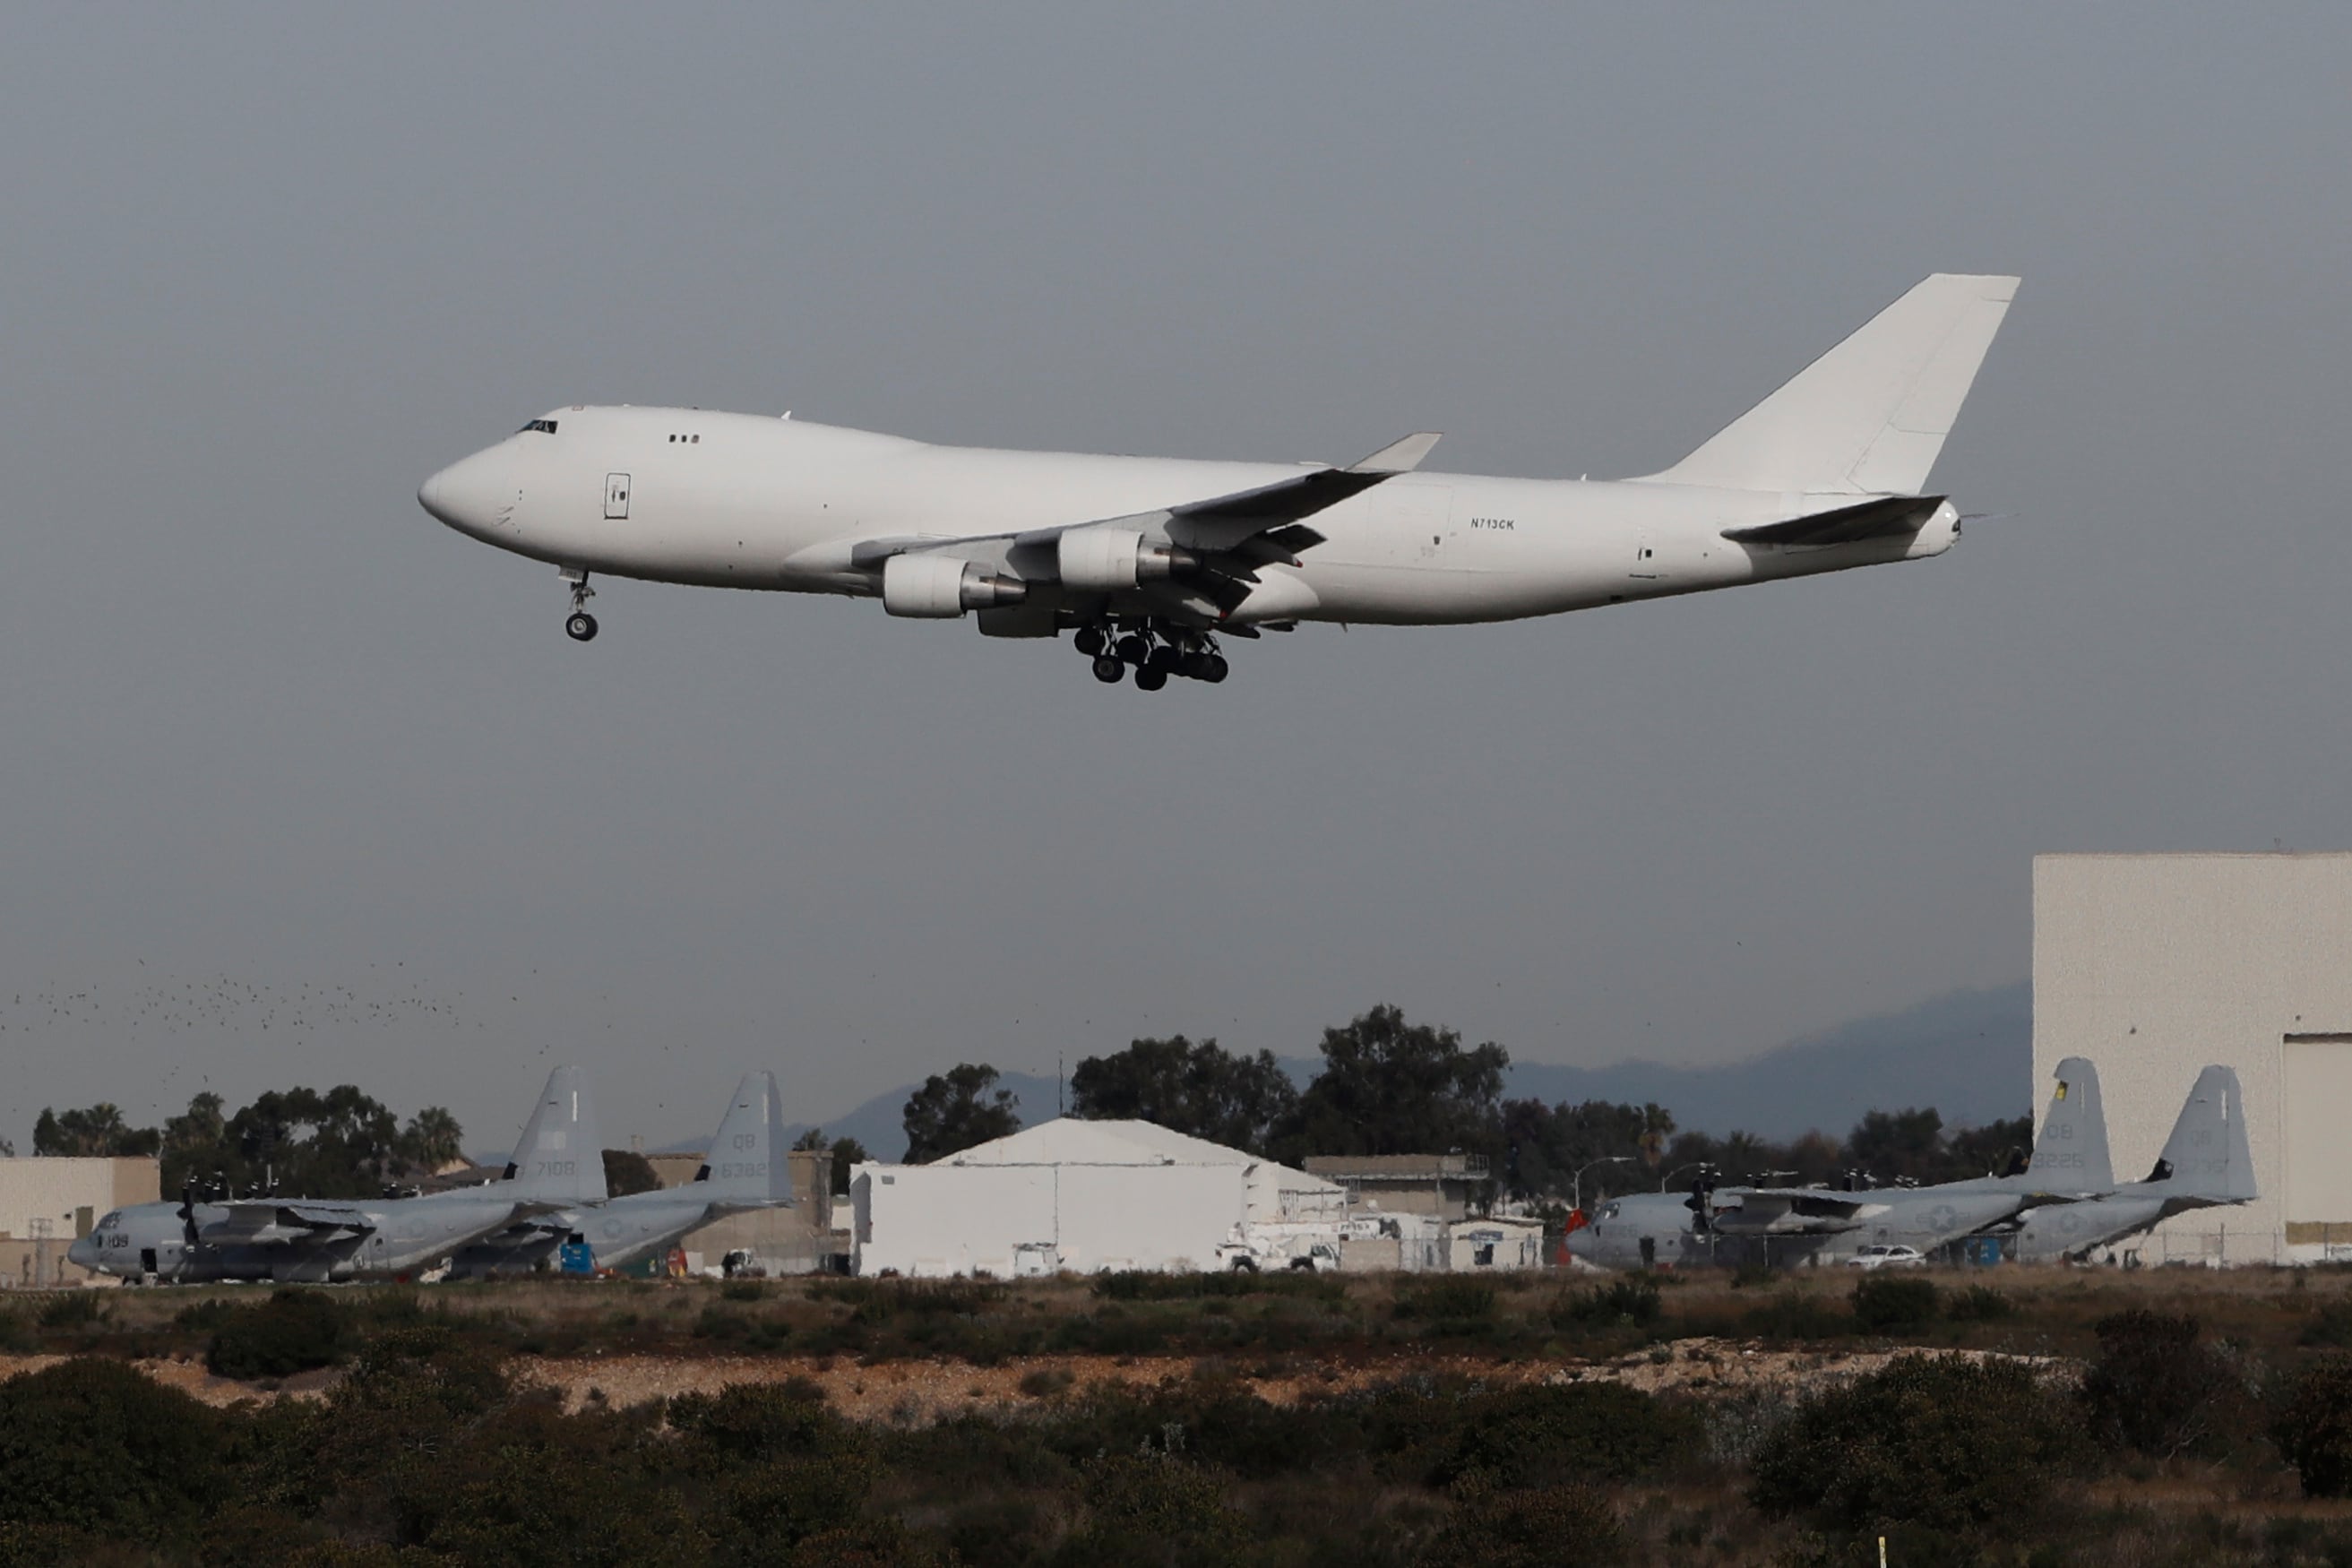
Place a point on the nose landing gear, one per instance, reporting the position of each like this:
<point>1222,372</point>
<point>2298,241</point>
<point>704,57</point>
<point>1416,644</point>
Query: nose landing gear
<point>580,625</point>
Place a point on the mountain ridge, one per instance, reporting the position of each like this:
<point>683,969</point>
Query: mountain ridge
<point>1969,1053</point>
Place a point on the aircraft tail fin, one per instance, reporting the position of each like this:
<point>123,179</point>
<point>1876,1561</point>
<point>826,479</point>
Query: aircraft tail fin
<point>561,1156</point>
<point>1869,416</point>
<point>2071,1151</point>
<point>2207,1157</point>
<point>747,1162</point>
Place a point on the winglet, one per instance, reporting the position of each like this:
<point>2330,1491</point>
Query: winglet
<point>1400,457</point>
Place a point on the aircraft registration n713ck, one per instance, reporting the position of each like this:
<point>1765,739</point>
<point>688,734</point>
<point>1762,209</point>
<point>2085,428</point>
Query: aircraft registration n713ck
<point>1152,561</point>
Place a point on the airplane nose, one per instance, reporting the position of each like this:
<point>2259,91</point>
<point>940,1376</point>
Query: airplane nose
<point>474,495</point>
<point>83,1253</point>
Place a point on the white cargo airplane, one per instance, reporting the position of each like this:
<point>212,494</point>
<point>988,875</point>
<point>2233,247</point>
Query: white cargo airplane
<point>1151,559</point>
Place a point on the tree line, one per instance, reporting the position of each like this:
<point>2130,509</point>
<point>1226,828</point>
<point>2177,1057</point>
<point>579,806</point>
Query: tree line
<point>1386,1086</point>
<point>339,1143</point>
<point>1389,1085</point>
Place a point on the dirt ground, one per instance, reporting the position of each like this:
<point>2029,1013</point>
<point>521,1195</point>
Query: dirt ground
<point>912,1393</point>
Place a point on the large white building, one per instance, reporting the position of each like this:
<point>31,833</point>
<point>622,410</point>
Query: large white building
<point>1078,1195</point>
<point>2154,965</point>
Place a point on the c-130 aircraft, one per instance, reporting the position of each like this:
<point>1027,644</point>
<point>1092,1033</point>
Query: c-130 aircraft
<point>1153,561</point>
<point>558,1164</point>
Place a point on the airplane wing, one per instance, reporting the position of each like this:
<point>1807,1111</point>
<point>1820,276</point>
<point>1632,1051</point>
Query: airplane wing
<point>266,1221</point>
<point>1214,546</point>
<point>1884,518</point>
<point>1793,1211</point>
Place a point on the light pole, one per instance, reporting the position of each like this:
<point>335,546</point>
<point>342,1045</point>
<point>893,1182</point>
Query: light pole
<point>1576,1183</point>
<point>1667,1180</point>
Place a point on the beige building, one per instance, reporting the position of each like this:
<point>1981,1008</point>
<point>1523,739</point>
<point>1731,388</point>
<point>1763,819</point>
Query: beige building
<point>796,1240</point>
<point>1447,1186</point>
<point>46,1203</point>
<point>2154,965</point>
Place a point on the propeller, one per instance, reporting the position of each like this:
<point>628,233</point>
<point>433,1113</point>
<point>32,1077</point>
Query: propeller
<point>188,1211</point>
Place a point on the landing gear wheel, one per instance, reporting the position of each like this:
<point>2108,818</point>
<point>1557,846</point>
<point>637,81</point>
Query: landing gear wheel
<point>1108,670</point>
<point>1164,660</point>
<point>1214,669</point>
<point>1132,648</point>
<point>1151,677</point>
<point>580,626</point>
<point>1191,665</point>
<point>1091,641</point>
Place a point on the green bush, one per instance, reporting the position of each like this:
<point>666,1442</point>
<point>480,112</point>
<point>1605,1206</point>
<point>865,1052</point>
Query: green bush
<point>1794,1315</point>
<point>1542,1434</point>
<point>2331,1325</point>
<point>70,1309</point>
<point>15,1334</point>
<point>1046,1382</point>
<point>1553,1527</point>
<point>1154,1507</point>
<point>1145,1285</point>
<point>1883,1302</point>
<point>1448,1299</point>
<point>879,1301</point>
<point>1979,1304</point>
<point>1942,1442</point>
<point>294,1330</point>
<point>2153,1387</point>
<point>2313,1428</point>
<point>1632,1300</point>
<point>92,1443</point>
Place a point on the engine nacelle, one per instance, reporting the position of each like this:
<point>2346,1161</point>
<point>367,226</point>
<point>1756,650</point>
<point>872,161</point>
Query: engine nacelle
<point>941,587</point>
<point>1113,559</point>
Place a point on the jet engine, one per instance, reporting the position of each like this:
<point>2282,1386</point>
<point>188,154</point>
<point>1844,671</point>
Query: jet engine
<point>941,587</point>
<point>1113,559</point>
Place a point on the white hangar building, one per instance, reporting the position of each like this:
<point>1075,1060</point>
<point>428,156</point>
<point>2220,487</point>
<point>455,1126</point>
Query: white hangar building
<point>1081,1195</point>
<point>2154,965</point>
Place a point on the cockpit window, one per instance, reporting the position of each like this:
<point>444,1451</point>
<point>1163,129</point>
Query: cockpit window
<point>547,426</point>
<point>113,1217</point>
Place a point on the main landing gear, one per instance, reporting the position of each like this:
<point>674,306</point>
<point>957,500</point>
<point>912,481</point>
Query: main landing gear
<point>580,625</point>
<point>1154,649</point>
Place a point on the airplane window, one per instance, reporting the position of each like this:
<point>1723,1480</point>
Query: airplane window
<point>697,440</point>
<point>112,1218</point>
<point>546,427</point>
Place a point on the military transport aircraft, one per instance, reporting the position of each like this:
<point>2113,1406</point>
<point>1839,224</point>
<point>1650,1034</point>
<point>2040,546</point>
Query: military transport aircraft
<point>1782,1224</point>
<point>2205,1163</point>
<point>559,1163</point>
<point>745,1169</point>
<point>1151,561</point>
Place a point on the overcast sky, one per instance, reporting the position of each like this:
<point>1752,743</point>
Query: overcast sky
<point>277,748</point>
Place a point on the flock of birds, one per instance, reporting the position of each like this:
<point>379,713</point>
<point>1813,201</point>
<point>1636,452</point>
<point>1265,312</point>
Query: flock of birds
<point>226,1004</point>
<point>188,1030</point>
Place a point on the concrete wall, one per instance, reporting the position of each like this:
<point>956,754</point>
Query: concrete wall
<point>2154,965</point>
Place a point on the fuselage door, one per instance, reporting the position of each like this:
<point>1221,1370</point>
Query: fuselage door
<point>617,497</point>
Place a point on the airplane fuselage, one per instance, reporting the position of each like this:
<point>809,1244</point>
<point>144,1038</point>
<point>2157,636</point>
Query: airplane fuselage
<point>618,1233</point>
<point>384,1239</point>
<point>779,504</point>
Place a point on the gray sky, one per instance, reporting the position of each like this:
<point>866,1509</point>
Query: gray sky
<point>269,730</point>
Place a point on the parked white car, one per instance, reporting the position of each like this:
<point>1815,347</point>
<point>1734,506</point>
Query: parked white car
<point>1884,1256</point>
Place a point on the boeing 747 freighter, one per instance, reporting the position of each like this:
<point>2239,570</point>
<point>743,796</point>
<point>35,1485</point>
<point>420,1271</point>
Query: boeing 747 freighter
<point>1150,561</point>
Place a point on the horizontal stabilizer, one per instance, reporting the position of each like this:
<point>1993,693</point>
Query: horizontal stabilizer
<point>1869,416</point>
<point>1889,517</point>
